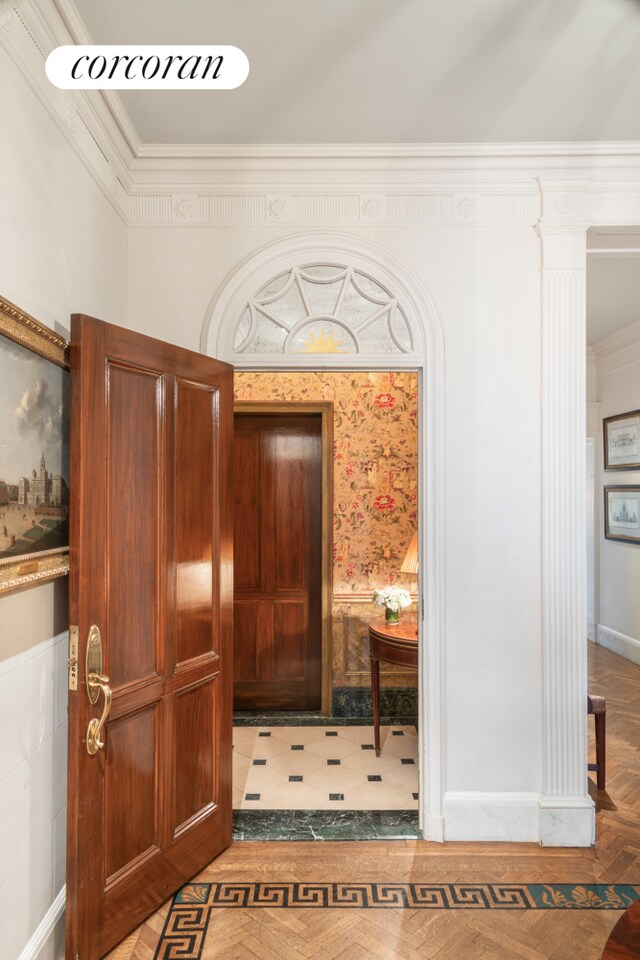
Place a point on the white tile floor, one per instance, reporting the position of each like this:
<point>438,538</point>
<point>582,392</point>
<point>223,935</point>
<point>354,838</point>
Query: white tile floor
<point>324,768</point>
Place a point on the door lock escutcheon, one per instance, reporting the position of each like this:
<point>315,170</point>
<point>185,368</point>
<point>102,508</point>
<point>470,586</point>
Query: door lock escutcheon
<point>96,683</point>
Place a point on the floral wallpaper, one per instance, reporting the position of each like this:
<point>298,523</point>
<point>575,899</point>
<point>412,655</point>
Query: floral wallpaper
<point>375,490</point>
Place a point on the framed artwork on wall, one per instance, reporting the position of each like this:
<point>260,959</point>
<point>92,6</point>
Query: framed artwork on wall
<point>622,441</point>
<point>622,514</point>
<point>34,451</point>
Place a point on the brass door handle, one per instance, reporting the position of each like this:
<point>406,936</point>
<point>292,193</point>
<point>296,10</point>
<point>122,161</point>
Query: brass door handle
<point>94,730</point>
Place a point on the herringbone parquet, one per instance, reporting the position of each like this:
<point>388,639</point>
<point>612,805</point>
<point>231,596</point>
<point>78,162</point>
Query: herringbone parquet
<point>395,934</point>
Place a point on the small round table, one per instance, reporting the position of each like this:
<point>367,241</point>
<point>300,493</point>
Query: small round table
<point>624,941</point>
<point>393,643</point>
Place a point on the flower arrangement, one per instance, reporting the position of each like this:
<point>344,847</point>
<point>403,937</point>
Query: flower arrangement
<point>393,599</point>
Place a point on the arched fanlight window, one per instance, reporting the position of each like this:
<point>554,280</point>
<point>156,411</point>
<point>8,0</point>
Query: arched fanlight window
<point>323,308</point>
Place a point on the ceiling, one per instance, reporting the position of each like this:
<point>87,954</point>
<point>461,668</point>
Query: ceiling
<point>404,71</point>
<point>387,71</point>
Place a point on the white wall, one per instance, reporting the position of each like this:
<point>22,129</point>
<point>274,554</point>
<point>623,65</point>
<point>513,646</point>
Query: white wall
<point>485,285</point>
<point>618,385</point>
<point>33,760</point>
<point>62,249</point>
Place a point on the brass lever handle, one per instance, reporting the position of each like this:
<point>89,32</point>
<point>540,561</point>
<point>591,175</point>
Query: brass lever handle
<point>94,730</point>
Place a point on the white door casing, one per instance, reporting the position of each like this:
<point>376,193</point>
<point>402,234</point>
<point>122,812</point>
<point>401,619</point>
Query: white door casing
<point>426,356</point>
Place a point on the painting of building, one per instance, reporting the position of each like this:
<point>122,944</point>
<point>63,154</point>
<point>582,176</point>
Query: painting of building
<point>43,489</point>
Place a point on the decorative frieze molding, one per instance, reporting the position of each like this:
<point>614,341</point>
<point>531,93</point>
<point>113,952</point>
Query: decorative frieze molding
<point>28,32</point>
<point>566,811</point>
<point>338,184</point>
<point>615,205</point>
<point>332,208</point>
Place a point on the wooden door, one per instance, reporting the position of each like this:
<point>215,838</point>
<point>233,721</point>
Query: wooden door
<point>277,551</point>
<point>151,568</point>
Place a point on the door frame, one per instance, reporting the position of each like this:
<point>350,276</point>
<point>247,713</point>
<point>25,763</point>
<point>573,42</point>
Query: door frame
<point>325,409</point>
<point>427,359</point>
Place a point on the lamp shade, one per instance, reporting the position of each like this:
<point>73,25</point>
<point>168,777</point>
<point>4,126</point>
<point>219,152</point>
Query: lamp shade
<point>410,562</point>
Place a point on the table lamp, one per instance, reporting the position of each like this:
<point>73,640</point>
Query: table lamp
<point>410,562</point>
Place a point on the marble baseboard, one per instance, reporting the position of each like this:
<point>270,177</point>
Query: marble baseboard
<point>400,702</point>
<point>326,825</point>
<point>567,822</point>
<point>505,817</point>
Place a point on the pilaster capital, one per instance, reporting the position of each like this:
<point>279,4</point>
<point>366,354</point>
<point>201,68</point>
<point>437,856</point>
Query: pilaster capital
<point>563,203</point>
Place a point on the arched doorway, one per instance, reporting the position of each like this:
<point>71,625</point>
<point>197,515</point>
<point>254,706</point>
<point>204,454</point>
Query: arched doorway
<point>240,328</point>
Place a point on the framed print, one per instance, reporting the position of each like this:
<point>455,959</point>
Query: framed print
<point>622,514</point>
<point>622,441</point>
<point>34,451</point>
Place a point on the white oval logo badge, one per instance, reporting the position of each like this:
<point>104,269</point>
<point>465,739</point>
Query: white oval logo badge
<point>147,67</point>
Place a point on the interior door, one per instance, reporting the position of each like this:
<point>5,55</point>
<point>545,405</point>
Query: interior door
<point>278,555</point>
<point>149,801</point>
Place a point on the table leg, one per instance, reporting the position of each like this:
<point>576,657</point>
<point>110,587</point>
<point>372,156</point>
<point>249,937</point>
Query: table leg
<point>375,696</point>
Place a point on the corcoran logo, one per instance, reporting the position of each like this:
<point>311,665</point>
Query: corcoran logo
<point>145,67</point>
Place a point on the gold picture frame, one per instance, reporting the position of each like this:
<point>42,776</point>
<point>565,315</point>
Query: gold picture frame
<point>36,565</point>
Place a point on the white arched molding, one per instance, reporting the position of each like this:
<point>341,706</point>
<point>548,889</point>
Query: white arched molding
<point>393,295</point>
<point>567,816</point>
<point>426,357</point>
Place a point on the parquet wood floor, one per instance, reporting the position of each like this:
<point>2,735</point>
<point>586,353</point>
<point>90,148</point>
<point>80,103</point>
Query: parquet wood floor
<point>315,934</point>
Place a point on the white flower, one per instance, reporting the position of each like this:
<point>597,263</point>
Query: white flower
<point>393,598</point>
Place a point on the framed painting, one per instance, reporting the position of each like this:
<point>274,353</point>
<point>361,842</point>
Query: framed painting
<point>34,451</point>
<point>622,441</point>
<point>622,514</point>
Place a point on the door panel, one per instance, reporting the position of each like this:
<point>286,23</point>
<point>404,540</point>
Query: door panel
<point>133,510</point>
<point>151,548</point>
<point>290,626</point>
<point>195,411</point>
<point>131,805</point>
<point>194,775</point>
<point>277,549</point>
<point>246,620</point>
<point>289,461</point>
<point>247,485</point>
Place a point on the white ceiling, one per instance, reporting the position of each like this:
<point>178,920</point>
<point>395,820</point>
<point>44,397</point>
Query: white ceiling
<point>385,71</point>
<point>613,280</point>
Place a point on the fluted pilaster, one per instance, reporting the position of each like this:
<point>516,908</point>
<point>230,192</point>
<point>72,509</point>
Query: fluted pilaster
<point>566,811</point>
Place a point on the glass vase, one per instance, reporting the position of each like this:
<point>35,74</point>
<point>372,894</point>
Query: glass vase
<point>391,616</point>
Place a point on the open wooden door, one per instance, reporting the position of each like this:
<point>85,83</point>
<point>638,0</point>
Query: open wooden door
<point>149,800</point>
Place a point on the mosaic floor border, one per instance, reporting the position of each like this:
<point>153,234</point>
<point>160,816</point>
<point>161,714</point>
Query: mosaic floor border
<point>185,929</point>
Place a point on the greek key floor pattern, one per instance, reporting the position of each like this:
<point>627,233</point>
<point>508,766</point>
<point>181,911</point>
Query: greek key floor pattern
<point>189,915</point>
<point>451,901</point>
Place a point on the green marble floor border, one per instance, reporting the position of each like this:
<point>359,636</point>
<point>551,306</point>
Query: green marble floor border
<point>326,825</point>
<point>257,719</point>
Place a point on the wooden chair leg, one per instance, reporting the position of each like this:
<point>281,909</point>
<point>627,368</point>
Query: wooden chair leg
<point>601,748</point>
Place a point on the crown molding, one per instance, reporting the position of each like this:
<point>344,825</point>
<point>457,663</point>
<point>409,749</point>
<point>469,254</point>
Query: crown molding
<point>78,34</point>
<point>558,151</point>
<point>617,351</point>
<point>187,185</point>
<point>629,336</point>
<point>28,32</point>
